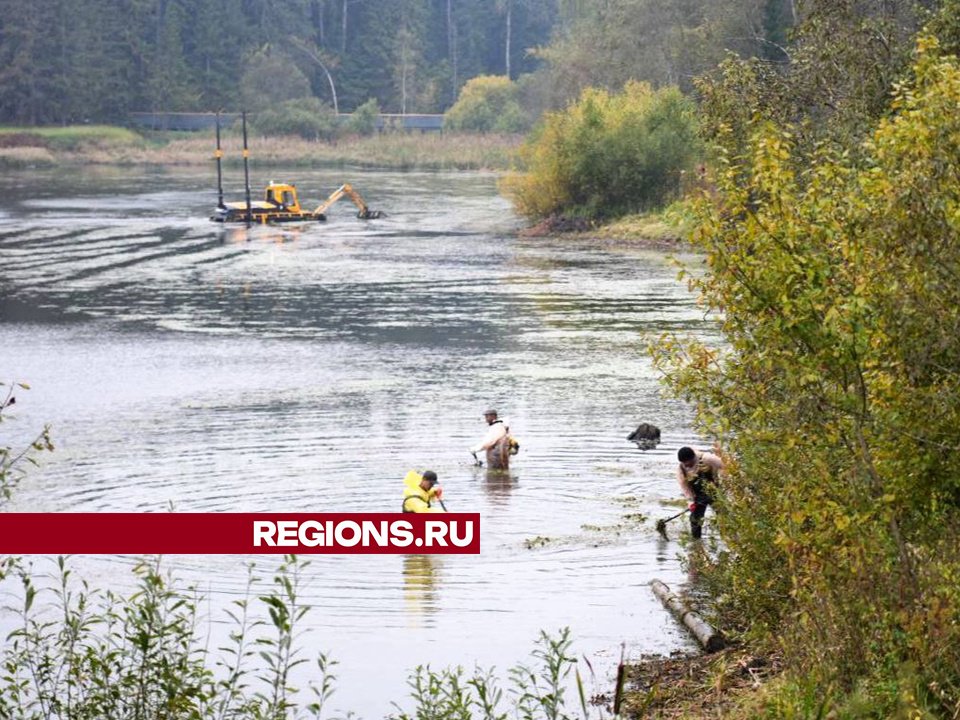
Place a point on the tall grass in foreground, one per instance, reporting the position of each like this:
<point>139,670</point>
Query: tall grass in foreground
<point>77,652</point>
<point>534,693</point>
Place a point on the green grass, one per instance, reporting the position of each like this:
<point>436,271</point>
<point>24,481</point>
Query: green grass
<point>668,225</point>
<point>72,137</point>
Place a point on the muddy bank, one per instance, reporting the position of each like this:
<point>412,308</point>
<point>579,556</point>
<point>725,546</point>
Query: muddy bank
<point>694,686</point>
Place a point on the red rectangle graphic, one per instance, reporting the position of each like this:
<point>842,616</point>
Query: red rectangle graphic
<point>239,533</point>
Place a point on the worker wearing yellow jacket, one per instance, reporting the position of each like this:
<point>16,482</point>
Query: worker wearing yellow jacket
<point>419,490</point>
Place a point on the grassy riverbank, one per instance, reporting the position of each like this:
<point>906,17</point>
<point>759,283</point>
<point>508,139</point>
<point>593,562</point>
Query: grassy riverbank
<point>105,145</point>
<point>663,230</point>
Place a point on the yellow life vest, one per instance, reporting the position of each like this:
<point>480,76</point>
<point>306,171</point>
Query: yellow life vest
<point>415,498</point>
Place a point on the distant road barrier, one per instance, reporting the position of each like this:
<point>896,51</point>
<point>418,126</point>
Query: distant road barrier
<point>396,121</point>
<point>187,122</point>
<point>192,122</point>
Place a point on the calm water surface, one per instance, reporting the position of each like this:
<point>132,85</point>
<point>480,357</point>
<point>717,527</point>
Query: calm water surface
<point>220,369</point>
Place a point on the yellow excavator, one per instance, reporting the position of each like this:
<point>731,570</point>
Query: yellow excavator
<point>280,202</point>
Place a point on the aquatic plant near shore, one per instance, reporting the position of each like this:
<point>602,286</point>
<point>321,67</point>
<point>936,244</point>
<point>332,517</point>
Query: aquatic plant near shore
<point>86,653</point>
<point>12,461</point>
<point>537,692</point>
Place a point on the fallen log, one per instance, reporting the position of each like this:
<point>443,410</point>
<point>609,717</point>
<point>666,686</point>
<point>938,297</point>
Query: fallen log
<point>708,636</point>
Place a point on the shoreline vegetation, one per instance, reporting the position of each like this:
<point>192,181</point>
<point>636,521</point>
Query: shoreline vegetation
<point>45,147</point>
<point>733,682</point>
<point>663,230</point>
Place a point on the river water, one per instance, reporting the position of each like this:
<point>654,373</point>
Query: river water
<point>181,363</point>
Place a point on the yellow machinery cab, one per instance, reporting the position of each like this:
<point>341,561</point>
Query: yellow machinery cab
<point>284,196</point>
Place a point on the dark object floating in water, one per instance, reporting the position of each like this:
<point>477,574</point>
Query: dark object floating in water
<point>646,436</point>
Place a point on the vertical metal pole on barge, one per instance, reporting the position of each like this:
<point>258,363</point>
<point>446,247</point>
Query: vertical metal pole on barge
<point>218,155</point>
<point>246,168</point>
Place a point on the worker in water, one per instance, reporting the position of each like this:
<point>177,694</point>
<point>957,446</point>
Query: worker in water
<point>698,474</point>
<point>419,490</point>
<point>496,442</point>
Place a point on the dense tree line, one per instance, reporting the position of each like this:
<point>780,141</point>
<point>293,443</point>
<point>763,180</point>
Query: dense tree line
<point>69,61</point>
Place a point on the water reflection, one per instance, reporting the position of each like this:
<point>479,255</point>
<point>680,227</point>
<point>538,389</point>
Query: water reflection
<point>276,234</point>
<point>662,546</point>
<point>498,485</point>
<point>421,574</point>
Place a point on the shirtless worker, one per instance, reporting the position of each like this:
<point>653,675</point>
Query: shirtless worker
<point>698,474</point>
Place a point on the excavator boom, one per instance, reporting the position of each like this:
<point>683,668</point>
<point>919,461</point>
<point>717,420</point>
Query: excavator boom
<point>363,212</point>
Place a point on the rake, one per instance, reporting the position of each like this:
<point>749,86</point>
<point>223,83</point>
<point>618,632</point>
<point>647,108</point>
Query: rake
<point>662,523</point>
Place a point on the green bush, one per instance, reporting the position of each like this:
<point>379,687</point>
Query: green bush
<point>307,117</point>
<point>77,652</point>
<point>607,155</point>
<point>487,103</point>
<point>363,121</point>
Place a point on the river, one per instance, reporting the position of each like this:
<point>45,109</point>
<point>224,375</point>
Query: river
<point>208,368</point>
